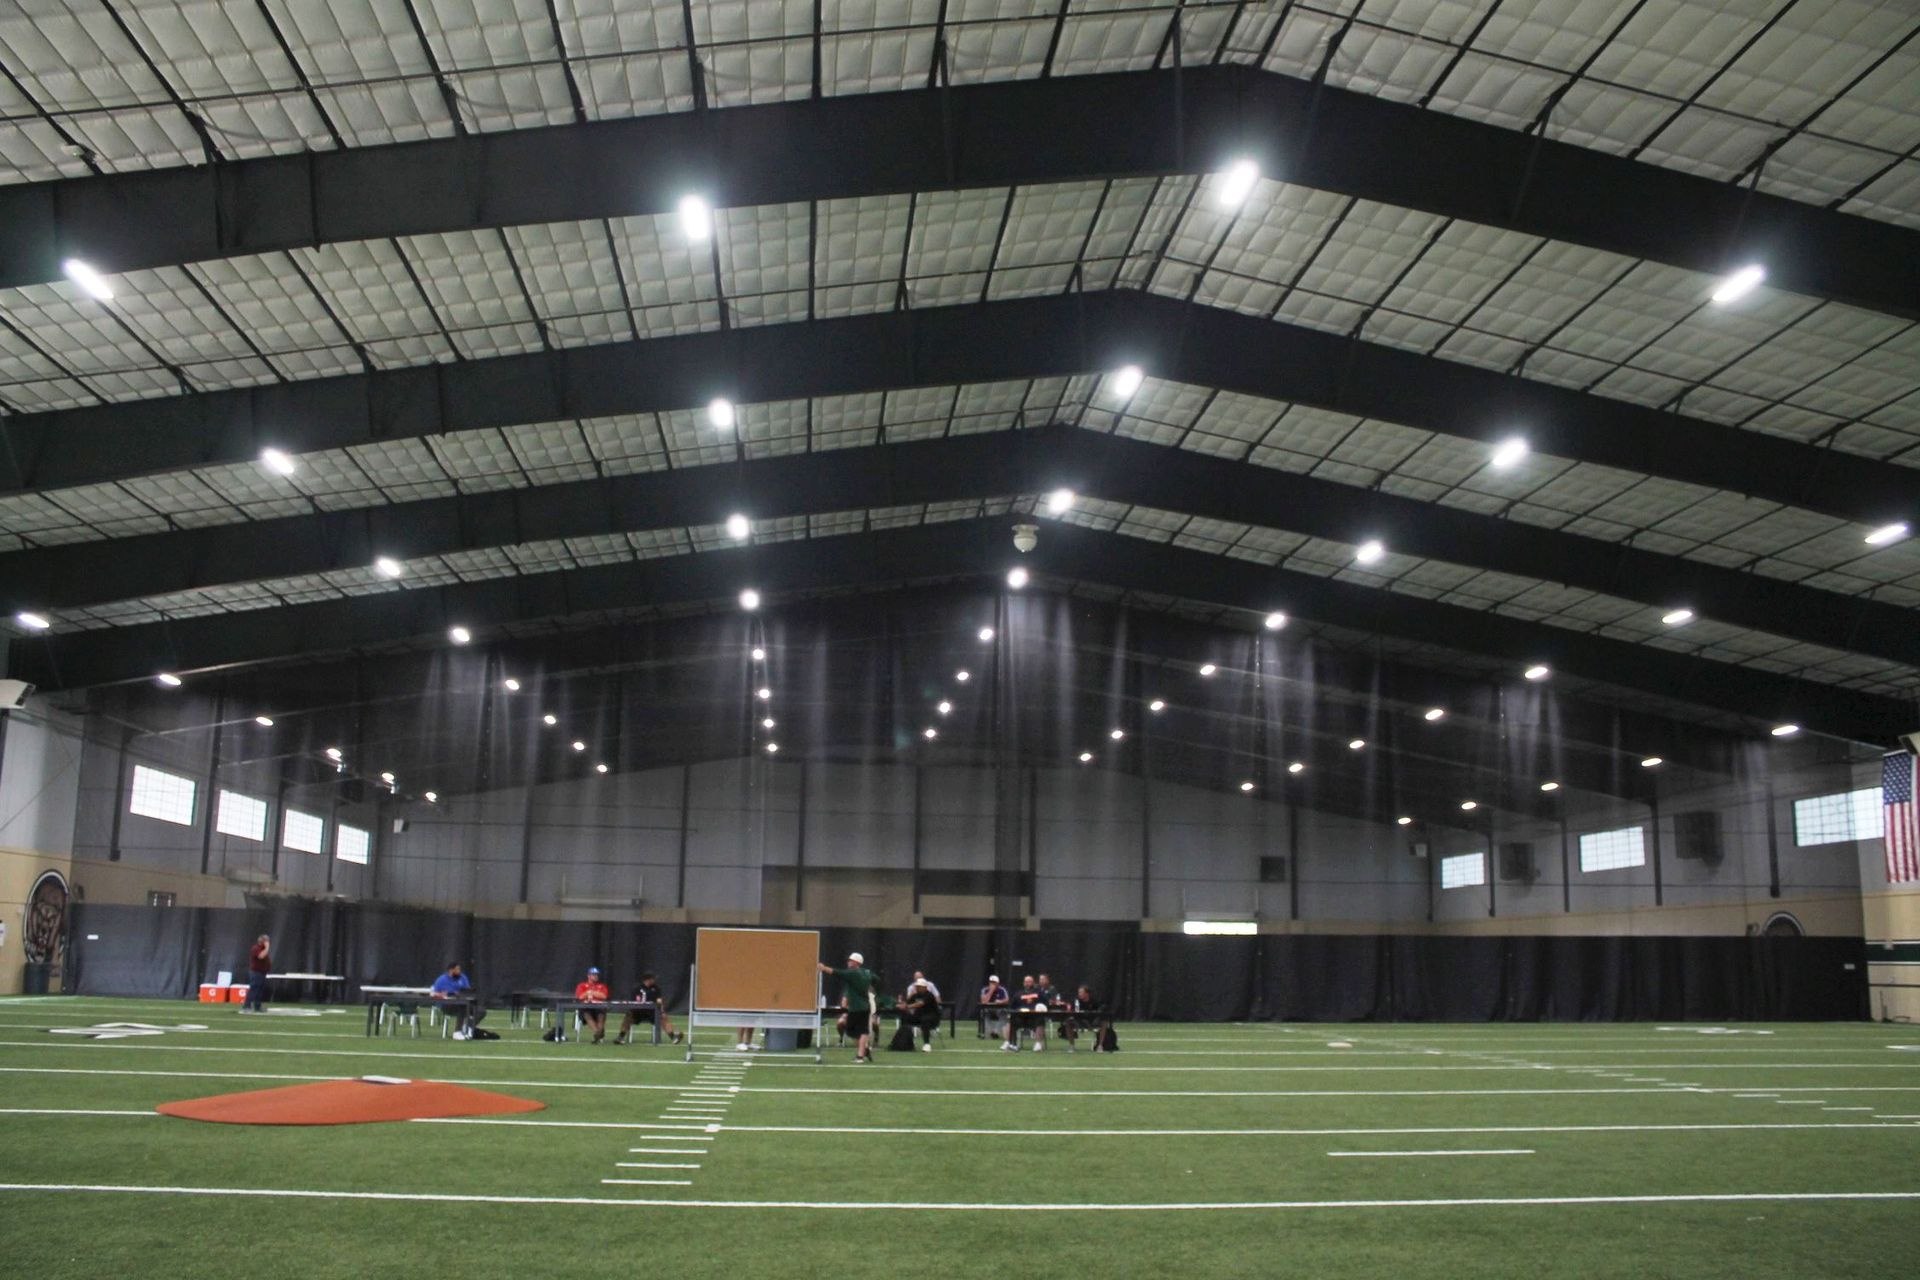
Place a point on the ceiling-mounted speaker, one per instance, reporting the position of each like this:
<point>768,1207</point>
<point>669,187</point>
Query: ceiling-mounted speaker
<point>399,825</point>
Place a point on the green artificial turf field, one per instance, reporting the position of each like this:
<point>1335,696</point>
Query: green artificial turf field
<point>1421,1150</point>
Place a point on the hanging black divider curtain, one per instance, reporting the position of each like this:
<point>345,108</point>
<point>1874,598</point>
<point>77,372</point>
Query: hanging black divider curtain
<point>166,951</point>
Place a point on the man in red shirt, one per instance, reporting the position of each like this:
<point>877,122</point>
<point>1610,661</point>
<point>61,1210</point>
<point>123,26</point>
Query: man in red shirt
<point>594,991</point>
<point>257,966</point>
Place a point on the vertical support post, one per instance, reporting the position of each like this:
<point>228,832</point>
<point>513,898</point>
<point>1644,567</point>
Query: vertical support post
<point>1653,838</point>
<point>332,854</point>
<point>919,800</point>
<point>1493,866</point>
<point>211,790</point>
<point>799,843</point>
<point>279,823</point>
<point>1146,826</point>
<point>119,796</point>
<point>1566,865</point>
<point>686,807</point>
<point>526,842</point>
<point>1773,840</point>
<point>1293,861</point>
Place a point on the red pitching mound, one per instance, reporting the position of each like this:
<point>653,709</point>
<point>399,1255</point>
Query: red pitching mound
<point>348,1102</point>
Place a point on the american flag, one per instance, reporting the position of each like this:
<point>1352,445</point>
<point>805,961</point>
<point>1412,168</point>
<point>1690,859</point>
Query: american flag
<point>1903,840</point>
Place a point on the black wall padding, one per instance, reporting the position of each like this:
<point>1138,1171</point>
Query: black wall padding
<point>166,951</point>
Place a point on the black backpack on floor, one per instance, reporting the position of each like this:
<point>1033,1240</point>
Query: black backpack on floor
<point>902,1038</point>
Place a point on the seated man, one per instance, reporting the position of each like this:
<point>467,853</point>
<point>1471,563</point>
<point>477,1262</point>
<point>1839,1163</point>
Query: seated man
<point>594,991</point>
<point>1051,1000</point>
<point>1100,1024</point>
<point>1026,1002</point>
<point>454,985</point>
<point>920,1011</point>
<point>994,1000</point>
<point>648,993</point>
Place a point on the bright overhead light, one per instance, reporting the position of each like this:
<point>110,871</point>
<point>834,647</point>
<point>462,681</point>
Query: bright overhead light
<point>1677,617</point>
<point>91,282</point>
<point>1887,533</point>
<point>1236,183</point>
<point>1784,730</point>
<point>1652,762</point>
<point>1220,928</point>
<point>1358,744</point>
<point>696,217</point>
<point>1157,706</point>
<point>763,693</point>
<point>749,599</point>
<point>720,412</point>
<point>738,526</point>
<point>1246,786</point>
<point>963,676</point>
<point>1734,287</point>
<point>265,722</point>
<point>1117,734</point>
<point>1549,786</point>
<point>1276,620</point>
<point>388,567</point>
<point>767,723</point>
<point>1125,380</point>
<point>1296,767</point>
<point>168,679</point>
<point>1017,577</point>
<point>759,654</point>
<point>1404,821</point>
<point>1435,713</point>
<point>278,461</point>
<point>1207,669</point>
<point>459,635</point>
<point>1085,756</point>
<point>333,754</point>
<point>1370,550</point>
<point>929,733</point>
<point>550,718</point>
<point>1538,671</point>
<point>430,797</point>
<point>1059,501</point>
<point>944,707</point>
<point>579,746</point>
<point>32,621</point>
<point>1469,805</point>
<point>600,768</point>
<point>387,778</point>
<point>986,635</point>
<point>510,685</point>
<point>773,748</point>
<point>1508,452</point>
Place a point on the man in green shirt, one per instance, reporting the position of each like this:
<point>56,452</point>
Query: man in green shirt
<point>858,983</point>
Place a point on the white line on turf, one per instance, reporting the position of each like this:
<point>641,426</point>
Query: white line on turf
<point>650,1164</point>
<point>1846,1108</point>
<point>1473,1202</point>
<point>647,1182</point>
<point>668,1151</point>
<point>1506,1151</point>
<point>676,1133</point>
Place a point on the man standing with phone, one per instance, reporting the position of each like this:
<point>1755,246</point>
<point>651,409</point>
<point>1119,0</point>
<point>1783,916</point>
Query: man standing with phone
<point>258,964</point>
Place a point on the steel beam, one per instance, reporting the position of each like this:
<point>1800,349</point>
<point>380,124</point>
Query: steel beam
<point>1059,129</point>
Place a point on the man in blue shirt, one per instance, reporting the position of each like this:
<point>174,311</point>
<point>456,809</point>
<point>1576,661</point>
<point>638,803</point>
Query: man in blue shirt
<point>453,985</point>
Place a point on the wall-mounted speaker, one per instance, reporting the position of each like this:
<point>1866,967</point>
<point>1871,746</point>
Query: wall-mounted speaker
<point>399,825</point>
<point>1517,863</point>
<point>1696,836</point>
<point>1418,849</point>
<point>1273,870</point>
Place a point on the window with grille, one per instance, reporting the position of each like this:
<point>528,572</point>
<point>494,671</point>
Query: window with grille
<point>1463,870</point>
<point>162,795</point>
<point>304,832</point>
<point>1842,816</point>
<point>238,815</point>
<point>351,844</point>
<point>1613,850</point>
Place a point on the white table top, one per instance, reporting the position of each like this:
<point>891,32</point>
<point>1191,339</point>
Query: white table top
<point>312,977</point>
<point>395,991</point>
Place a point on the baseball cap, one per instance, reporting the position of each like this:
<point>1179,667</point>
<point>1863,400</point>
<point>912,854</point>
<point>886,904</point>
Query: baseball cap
<point>856,957</point>
<point>593,971</point>
<point>993,977</point>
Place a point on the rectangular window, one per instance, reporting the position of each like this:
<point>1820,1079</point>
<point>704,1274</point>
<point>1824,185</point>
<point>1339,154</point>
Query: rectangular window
<point>166,796</point>
<point>304,832</point>
<point>1844,815</point>
<point>1613,850</point>
<point>243,816</point>
<point>351,844</point>
<point>1463,870</point>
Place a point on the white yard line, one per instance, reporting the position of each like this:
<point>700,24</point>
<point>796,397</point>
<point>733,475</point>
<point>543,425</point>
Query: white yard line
<point>647,1182</point>
<point>668,1151</point>
<point>68,1111</point>
<point>1506,1151</point>
<point>423,1197</point>
<point>650,1164</point>
<point>675,1136</point>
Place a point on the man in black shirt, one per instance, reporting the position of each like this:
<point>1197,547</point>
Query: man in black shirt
<point>648,992</point>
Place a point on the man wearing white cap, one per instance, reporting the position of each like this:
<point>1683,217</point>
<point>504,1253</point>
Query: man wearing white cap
<point>994,1000</point>
<point>859,984</point>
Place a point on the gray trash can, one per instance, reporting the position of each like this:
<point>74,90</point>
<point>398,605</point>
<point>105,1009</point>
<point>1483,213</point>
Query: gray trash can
<point>38,978</point>
<point>779,1041</point>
